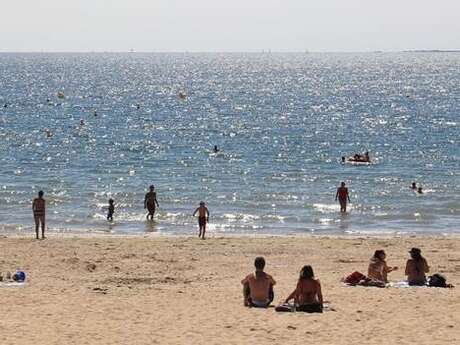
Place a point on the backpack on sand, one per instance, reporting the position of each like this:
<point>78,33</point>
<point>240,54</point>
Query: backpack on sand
<point>438,280</point>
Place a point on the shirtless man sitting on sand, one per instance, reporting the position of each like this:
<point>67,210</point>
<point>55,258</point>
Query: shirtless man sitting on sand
<point>258,286</point>
<point>150,202</point>
<point>39,209</point>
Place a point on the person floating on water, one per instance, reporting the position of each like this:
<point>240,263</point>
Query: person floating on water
<point>111,210</point>
<point>82,122</point>
<point>95,113</point>
<point>150,202</point>
<point>258,286</point>
<point>419,190</point>
<point>39,210</point>
<point>364,158</point>
<point>138,106</point>
<point>307,296</point>
<point>343,196</point>
<point>182,95</point>
<point>216,149</point>
<point>414,186</point>
<point>203,218</point>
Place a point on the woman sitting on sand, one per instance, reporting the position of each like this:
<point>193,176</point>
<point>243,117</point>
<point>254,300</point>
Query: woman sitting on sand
<point>416,267</point>
<point>307,295</point>
<point>378,268</point>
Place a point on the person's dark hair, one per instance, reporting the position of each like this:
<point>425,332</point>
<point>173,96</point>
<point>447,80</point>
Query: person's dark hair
<point>378,253</point>
<point>259,263</point>
<point>416,255</point>
<point>110,201</point>
<point>307,272</point>
<point>152,186</point>
<point>40,193</point>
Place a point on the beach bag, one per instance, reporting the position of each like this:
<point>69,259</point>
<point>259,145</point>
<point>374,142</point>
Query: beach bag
<point>437,280</point>
<point>354,278</point>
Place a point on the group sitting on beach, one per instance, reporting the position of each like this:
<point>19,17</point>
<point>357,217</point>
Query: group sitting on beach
<point>416,269</point>
<point>258,290</point>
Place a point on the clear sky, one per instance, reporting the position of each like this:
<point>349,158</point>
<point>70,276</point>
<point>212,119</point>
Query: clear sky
<point>228,25</point>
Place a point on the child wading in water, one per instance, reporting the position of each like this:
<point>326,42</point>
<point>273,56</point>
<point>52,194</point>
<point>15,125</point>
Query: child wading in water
<point>203,218</point>
<point>111,210</point>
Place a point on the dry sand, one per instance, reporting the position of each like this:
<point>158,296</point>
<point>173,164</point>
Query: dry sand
<point>181,290</point>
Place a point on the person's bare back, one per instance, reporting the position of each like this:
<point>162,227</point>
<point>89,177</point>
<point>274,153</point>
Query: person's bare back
<point>308,291</point>
<point>259,284</point>
<point>203,218</point>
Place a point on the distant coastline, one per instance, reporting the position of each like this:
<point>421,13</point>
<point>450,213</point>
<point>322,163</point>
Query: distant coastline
<point>431,51</point>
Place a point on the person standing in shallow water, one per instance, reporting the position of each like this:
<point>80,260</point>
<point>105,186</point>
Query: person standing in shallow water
<point>343,196</point>
<point>150,202</point>
<point>111,210</point>
<point>203,218</point>
<point>39,210</point>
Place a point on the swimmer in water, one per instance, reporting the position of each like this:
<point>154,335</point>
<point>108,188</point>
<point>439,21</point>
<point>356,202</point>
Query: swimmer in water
<point>343,196</point>
<point>203,218</point>
<point>138,106</point>
<point>343,159</point>
<point>182,95</point>
<point>414,186</point>
<point>216,149</point>
<point>150,202</point>
<point>82,122</point>
<point>419,190</point>
<point>95,113</point>
<point>366,156</point>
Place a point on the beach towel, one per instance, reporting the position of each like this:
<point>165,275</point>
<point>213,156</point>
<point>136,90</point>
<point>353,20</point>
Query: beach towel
<point>11,284</point>
<point>357,278</point>
<point>306,308</point>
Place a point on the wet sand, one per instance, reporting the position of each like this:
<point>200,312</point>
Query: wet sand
<point>181,290</point>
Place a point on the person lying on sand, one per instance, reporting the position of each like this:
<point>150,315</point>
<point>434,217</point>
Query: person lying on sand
<point>203,218</point>
<point>258,286</point>
<point>378,268</point>
<point>307,295</point>
<point>416,267</point>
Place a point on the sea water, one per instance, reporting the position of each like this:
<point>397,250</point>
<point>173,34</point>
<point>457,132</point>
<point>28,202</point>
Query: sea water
<point>281,121</point>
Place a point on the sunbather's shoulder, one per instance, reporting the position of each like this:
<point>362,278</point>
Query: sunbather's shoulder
<point>270,278</point>
<point>248,278</point>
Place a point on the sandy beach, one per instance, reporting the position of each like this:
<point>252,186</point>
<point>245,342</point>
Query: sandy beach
<point>181,290</point>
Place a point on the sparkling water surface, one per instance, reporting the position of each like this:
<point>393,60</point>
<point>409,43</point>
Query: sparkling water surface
<point>282,122</point>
